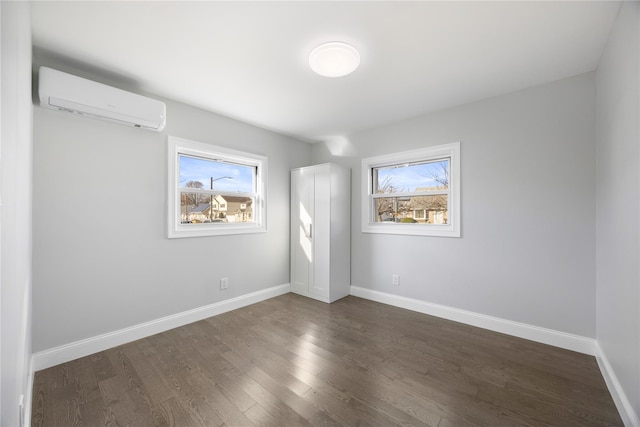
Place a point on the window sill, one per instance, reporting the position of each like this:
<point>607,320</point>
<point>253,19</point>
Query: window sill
<point>412,229</point>
<point>205,230</point>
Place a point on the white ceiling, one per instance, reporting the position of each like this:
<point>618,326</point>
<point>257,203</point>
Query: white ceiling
<point>249,60</point>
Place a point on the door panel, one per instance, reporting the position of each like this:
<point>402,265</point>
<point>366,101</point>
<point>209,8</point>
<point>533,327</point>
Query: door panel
<point>302,231</point>
<point>322,237</point>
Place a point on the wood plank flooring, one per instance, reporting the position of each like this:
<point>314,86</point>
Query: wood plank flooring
<point>293,361</point>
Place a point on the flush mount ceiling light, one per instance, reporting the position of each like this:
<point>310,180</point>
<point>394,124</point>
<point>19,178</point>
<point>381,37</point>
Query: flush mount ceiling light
<point>334,59</point>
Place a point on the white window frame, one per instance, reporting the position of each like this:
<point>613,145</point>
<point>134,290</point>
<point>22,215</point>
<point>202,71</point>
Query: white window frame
<point>180,146</point>
<point>452,229</point>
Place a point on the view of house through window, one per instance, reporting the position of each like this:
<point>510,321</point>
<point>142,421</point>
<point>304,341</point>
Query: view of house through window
<point>412,192</point>
<point>214,191</point>
<point>415,192</point>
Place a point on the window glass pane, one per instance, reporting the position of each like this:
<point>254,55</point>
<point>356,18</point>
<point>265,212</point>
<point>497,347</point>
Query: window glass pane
<point>214,191</point>
<point>203,209</point>
<point>419,209</point>
<point>412,177</point>
<point>415,192</point>
<point>196,172</point>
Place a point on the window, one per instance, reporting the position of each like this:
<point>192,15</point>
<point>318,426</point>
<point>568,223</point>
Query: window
<point>214,190</point>
<point>414,192</point>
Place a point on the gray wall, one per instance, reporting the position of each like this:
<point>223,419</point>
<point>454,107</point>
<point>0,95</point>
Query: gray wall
<point>15,210</point>
<point>618,211</point>
<point>527,251</point>
<point>102,260</point>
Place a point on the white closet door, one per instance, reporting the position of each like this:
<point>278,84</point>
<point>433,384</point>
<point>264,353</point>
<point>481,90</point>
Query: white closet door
<point>302,230</point>
<point>322,238</point>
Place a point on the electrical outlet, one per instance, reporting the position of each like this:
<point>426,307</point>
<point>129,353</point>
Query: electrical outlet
<point>224,283</point>
<point>395,280</point>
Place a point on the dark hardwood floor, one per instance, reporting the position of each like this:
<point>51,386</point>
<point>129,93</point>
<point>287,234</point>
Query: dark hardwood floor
<point>294,361</point>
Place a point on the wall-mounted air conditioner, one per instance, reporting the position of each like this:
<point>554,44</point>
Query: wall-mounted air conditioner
<point>66,92</point>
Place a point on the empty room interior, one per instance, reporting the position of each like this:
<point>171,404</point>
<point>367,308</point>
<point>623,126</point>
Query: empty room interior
<point>420,213</point>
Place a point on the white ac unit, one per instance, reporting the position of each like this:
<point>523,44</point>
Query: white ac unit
<point>66,92</point>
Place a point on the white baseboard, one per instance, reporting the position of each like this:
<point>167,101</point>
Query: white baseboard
<point>534,333</point>
<point>624,406</point>
<point>65,353</point>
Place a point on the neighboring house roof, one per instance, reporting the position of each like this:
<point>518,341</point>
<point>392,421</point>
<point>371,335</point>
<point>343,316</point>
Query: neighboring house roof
<point>200,208</point>
<point>429,203</point>
<point>237,199</point>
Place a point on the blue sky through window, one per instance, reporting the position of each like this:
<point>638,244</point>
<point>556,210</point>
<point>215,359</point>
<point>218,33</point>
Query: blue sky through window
<point>410,177</point>
<point>203,170</point>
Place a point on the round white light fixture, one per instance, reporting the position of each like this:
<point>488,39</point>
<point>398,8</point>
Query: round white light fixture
<point>334,59</point>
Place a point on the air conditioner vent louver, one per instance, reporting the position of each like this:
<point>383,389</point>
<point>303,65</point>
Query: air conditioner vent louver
<point>69,93</point>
